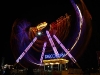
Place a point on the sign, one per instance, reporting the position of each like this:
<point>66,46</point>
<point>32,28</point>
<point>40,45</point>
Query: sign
<point>49,56</point>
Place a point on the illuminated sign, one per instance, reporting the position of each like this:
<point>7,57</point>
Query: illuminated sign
<point>49,56</point>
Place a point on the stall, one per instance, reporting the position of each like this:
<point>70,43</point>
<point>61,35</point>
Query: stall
<point>55,64</point>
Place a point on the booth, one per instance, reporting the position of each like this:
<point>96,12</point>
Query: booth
<point>55,64</point>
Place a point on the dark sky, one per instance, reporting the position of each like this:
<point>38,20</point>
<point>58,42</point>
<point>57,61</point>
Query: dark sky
<point>9,11</point>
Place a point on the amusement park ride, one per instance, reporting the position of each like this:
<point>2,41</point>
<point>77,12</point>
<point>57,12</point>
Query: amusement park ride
<point>51,34</point>
<point>53,47</point>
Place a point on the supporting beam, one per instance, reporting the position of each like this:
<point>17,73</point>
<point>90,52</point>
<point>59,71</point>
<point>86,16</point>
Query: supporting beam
<point>43,51</point>
<point>67,52</point>
<point>25,51</point>
<point>63,47</point>
<point>52,44</point>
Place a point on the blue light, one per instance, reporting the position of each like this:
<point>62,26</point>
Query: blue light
<point>49,56</point>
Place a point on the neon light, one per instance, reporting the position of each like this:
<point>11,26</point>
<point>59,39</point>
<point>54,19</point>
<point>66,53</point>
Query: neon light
<point>78,12</point>
<point>43,51</point>
<point>63,47</point>
<point>25,51</point>
<point>41,26</point>
<point>49,56</point>
<point>52,44</point>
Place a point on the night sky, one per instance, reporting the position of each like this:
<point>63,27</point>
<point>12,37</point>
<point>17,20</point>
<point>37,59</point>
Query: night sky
<point>50,11</point>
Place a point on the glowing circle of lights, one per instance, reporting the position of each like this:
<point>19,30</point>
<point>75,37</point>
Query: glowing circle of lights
<point>32,49</point>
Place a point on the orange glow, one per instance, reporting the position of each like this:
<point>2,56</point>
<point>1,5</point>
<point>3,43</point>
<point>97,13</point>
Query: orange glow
<point>55,61</point>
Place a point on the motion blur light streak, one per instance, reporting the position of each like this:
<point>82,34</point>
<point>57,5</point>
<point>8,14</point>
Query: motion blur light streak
<point>80,24</point>
<point>75,39</point>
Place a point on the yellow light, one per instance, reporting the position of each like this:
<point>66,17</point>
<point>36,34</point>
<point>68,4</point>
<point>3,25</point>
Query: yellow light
<point>41,26</point>
<point>55,61</point>
<point>51,63</point>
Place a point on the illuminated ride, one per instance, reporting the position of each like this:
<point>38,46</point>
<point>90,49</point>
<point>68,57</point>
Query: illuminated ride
<point>31,45</point>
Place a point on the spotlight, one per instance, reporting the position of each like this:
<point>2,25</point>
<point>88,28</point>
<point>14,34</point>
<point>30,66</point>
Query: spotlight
<point>39,33</point>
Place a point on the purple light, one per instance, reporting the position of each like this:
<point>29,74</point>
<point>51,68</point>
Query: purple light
<point>63,47</point>
<point>43,51</point>
<point>28,47</point>
<point>52,44</point>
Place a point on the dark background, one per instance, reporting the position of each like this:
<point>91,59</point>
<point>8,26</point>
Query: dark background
<point>36,10</point>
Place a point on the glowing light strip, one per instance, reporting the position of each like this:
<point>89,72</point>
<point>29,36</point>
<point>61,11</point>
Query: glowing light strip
<point>81,22</point>
<point>63,47</point>
<point>49,56</point>
<point>78,12</point>
<point>52,44</point>
<point>43,51</point>
<point>25,51</point>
